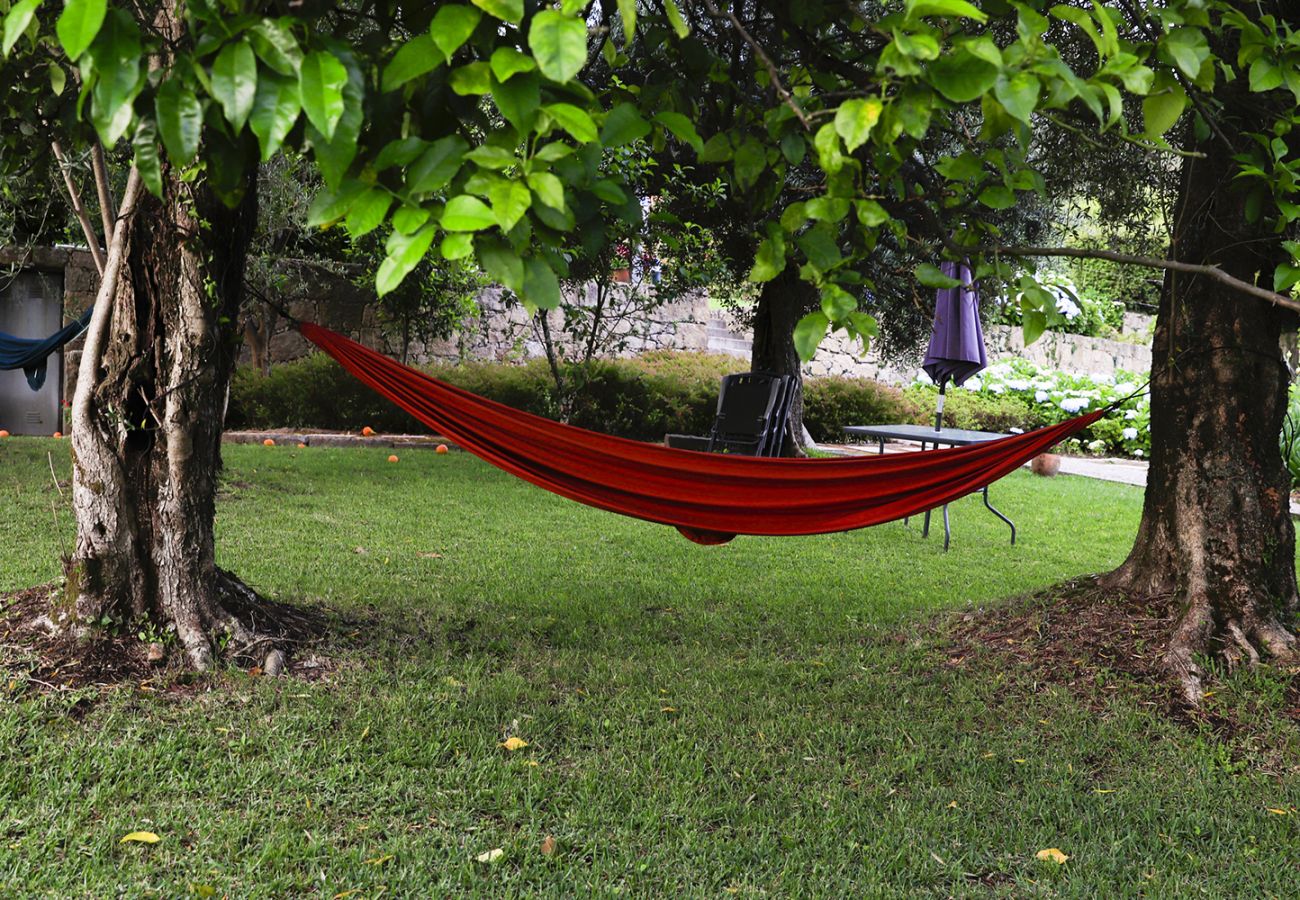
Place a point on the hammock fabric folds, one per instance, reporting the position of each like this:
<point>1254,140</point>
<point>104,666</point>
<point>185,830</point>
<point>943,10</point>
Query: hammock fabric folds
<point>29,354</point>
<point>708,497</point>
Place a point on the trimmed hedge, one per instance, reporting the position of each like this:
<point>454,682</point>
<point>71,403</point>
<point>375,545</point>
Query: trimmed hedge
<point>644,397</point>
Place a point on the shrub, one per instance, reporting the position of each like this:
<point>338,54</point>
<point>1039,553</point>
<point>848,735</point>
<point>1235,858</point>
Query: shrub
<point>975,411</point>
<point>833,402</point>
<point>1290,439</point>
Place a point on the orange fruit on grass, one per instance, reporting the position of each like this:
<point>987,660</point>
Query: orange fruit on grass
<point>58,434</point>
<point>367,431</point>
<point>301,445</point>
<point>3,433</point>
<point>268,443</point>
<point>392,458</point>
<point>442,448</point>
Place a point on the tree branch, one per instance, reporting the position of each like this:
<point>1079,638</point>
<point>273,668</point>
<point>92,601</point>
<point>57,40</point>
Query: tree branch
<point>781,91</point>
<point>107,209</point>
<point>1150,262</point>
<point>99,320</point>
<point>74,195</point>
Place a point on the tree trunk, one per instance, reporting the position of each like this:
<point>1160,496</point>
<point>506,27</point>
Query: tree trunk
<point>145,473</point>
<point>1216,533</point>
<point>781,303</point>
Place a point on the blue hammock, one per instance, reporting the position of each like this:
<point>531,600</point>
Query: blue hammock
<point>29,354</point>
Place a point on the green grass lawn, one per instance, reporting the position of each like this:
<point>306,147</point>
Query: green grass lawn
<point>774,716</point>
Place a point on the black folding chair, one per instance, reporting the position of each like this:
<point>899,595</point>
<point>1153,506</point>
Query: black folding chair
<point>752,417</point>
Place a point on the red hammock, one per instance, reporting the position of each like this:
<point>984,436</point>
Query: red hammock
<point>708,497</point>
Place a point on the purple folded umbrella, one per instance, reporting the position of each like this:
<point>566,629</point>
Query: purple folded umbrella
<point>957,341</point>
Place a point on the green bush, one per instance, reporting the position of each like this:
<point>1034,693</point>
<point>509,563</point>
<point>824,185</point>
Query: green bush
<point>831,403</point>
<point>977,412</point>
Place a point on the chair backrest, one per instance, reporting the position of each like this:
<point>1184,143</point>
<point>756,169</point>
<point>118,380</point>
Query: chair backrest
<point>750,417</point>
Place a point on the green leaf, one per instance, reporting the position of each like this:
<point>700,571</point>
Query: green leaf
<point>998,197</point>
<point>750,161</point>
<point>870,213</point>
<point>1285,277</point>
<point>275,110</point>
<point>623,124</point>
<point>518,100</point>
<point>679,26</point>
<point>234,83</point>
<point>1018,94</point>
<point>144,146</point>
<point>452,25</point>
<point>769,261</point>
<point>78,25</point>
<point>115,56</point>
<point>1162,109</point>
<point>627,13</point>
<point>320,86</point>
<point>489,157</point>
<point>574,120</point>
<point>368,211</point>
<point>954,9</point>
<point>418,56</point>
<point>610,192</point>
<point>472,79</point>
<point>820,245</point>
<point>681,127</point>
<point>437,166</point>
<point>837,303</point>
<point>855,119</point>
<point>16,22</point>
<point>58,78</point>
<point>541,287</point>
<point>404,253</point>
<point>559,43</point>
<point>502,265</point>
<point>1188,48</point>
<point>931,276</point>
<point>1033,324</point>
<point>276,46</point>
<point>458,245</point>
<point>467,213</point>
<point>808,334</point>
<point>510,200</point>
<point>180,120</point>
<point>961,76</point>
<point>507,62</point>
<point>793,148</point>
<point>1265,75</point>
<point>329,206</point>
<point>548,188</point>
<point>511,11</point>
<point>408,219</point>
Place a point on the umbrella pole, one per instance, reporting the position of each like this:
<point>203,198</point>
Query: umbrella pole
<point>938,413</point>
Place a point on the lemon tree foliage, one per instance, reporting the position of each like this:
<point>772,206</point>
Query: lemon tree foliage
<point>477,130</point>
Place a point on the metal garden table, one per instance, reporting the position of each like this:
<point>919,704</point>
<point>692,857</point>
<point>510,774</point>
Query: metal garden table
<point>926,434</point>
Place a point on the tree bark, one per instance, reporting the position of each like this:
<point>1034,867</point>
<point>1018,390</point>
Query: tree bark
<point>147,454</point>
<point>1216,535</point>
<point>781,303</point>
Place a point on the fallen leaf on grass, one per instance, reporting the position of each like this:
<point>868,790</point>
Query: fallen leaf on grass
<point>424,555</point>
<point>668,709</point>
<point>141,837</point>
<point>1278,812</point>
<point>953,805</point>
<point>1051,854</point>
<point>514,743</point>
<point>548,845</point>
<point>378,860</point>
<point>1103,790</point>
<point>490,856</point>
<point>365,732</point>
<point>360,551</point>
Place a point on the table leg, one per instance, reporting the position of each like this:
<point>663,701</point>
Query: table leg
<point>947,529</point>
<point>1010,524</point>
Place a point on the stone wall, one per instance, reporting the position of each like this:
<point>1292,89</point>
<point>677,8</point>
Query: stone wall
<point>1070,352</point>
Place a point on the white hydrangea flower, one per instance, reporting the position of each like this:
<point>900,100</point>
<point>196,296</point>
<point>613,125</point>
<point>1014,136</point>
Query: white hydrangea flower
<point>1016,430</point>
<point>1041,396</point>
<point>1018,384</point>
<point>972,384</point>
<point>1096,446</point>
<point>1131,414</point>
<point>1130,434</point>
<point>1138,453</point>
<point>1074,404</point>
